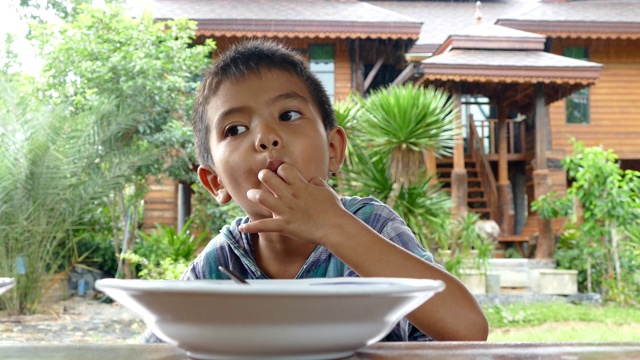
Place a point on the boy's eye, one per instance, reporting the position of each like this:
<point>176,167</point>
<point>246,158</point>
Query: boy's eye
<point>234,130</point>
<point>289,115</point>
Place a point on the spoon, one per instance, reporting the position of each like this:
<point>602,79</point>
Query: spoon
<point>233,275</point>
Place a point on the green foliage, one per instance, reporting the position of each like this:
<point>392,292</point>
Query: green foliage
<point>48,186</point>
<point>409,117</point>
<point>41,10</point>
<point>601,244</point>
<point>149,67</point>
<point>422,205</point>
<point>165,269</point>
<point>165,253</point>
<point>460,245</point>
<point>165,242</point>
<point>408,120</point>
<point>523,315</point>
<point>142,73</point>
<point>402,122</point>
<point>209,216</point>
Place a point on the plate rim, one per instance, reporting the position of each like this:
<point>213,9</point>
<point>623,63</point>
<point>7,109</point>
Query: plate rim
<point>4,281</point>
<point>353,286</point>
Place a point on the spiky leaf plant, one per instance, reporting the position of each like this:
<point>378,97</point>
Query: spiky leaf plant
<point>405,121</point>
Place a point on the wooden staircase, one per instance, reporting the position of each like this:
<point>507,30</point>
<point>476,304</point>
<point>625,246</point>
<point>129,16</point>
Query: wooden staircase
<point>477,201</point>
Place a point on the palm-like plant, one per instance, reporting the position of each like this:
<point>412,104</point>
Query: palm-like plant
<point>52,174</point>
<point>347,113</point>
<point>405,121</point>
<point>390,131</point>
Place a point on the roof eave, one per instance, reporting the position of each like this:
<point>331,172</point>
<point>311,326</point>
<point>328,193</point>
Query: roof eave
<point>490,43</point>
<point>576,29</point>
<point>297,28</point>
<point>510,74</point>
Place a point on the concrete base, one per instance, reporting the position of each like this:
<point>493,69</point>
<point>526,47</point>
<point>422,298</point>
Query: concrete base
<point>536,276</point>
<point>521,276</point>
<point>474,280</point>
<point>554,281</point>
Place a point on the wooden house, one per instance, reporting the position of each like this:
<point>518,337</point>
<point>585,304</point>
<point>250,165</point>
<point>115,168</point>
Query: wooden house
<point>528,75</point>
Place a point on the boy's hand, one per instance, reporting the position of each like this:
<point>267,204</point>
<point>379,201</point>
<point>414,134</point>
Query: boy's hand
<point>301,209</point>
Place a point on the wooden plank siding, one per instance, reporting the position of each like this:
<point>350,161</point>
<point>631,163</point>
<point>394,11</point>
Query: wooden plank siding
<point>614,111</point>
<point>160,203</point>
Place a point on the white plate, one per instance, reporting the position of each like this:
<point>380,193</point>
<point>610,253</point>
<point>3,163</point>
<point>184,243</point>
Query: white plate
<point>301,319</point>
<point>6,284</point>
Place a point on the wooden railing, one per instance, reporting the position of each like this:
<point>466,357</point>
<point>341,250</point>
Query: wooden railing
<point>516,135</point>
<point>477,152</point>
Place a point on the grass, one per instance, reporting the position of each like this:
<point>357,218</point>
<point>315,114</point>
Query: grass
<point>558,321</point>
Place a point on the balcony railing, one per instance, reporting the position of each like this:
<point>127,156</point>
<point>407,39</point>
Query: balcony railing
<point>487,131</point>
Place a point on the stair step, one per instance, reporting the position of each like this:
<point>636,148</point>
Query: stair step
<point>448,179</point>
<point>477,200</point>
<point>513,238</point>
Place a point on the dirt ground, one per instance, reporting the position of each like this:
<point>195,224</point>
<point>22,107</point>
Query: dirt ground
<point>74,320</point>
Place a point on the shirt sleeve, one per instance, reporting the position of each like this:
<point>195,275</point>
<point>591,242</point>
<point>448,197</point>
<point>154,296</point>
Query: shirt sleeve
<point>384,220</point>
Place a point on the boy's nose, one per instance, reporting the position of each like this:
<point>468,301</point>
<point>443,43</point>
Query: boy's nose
<point>264,146</point>
<point>267,139</point>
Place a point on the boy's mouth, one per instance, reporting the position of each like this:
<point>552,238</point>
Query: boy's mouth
<point>274,164</point>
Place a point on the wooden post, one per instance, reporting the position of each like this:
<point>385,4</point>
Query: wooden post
<point>505,193</point>
<point>431,165</point>
<point>358,85</point>
<point>541,180</point>
<point>459,181</point>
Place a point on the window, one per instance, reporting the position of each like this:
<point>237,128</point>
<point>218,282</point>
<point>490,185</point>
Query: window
<point>322,63</point>
<point>578,102</point>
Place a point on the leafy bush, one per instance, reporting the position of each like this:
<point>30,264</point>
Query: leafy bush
<point>166,253</point>
<point>603,242</point>
<point>460,245</point>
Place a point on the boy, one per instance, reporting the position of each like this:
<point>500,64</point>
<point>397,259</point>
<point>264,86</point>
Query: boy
<point>266,137</point>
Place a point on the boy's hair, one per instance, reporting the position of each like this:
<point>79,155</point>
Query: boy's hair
<point>249,58</point>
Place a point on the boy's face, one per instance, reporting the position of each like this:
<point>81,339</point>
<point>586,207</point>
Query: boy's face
<point>260,122</point>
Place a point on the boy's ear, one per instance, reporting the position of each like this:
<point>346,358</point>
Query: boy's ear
<point>211,181</point>
<point>337,148</point>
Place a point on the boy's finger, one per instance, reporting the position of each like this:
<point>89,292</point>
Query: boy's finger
<point>261,226</point>
<point>290,174</point>
<point>273,182</point>
<point>264,198</point>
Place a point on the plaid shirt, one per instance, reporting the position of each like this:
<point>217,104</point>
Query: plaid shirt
<point>234,249</point>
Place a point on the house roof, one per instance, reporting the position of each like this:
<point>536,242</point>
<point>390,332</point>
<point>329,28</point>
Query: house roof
<point>509,75</point>
<point>572,19</point>
<point>443,18</point>
<point>603,19</point>
<point>487,36</point>
<point>284,18</point>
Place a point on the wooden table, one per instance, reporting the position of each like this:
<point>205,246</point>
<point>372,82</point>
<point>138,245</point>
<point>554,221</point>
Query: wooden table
<point>380,351</point>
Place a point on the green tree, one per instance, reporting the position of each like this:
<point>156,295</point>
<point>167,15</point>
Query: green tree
<point>148,70</point>
<point>606,220</point>
<point>48,184</point>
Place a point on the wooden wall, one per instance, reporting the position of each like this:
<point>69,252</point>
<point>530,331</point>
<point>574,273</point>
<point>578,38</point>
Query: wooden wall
<point>614,100</point>
<point>160,203</point>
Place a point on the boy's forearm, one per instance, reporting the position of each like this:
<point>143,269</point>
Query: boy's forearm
<point>453,314</point>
